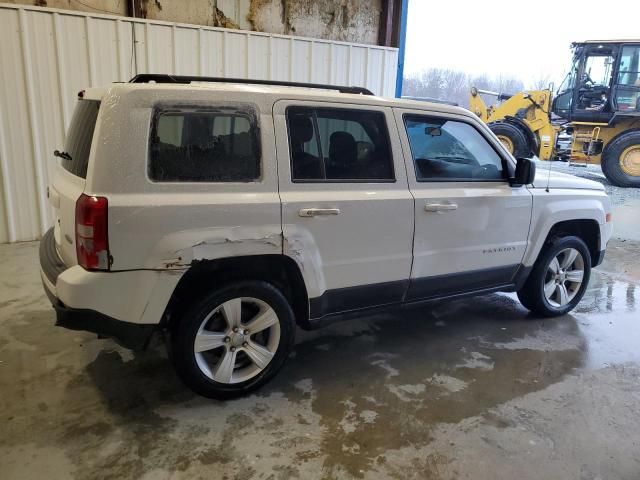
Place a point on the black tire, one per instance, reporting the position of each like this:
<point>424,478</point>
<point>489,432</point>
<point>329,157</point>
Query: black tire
<point>610,160</point>
<point>521,147</point>
<point>183,336</point>
<point>532,296</point>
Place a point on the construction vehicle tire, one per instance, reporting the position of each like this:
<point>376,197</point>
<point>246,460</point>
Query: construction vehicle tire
<point>512,138</point>
<point>621,160</point>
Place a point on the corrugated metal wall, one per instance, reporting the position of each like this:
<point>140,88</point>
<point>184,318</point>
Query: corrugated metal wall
<point>47,56</point>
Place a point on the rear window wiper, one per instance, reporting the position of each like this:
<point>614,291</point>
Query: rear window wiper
<point>63,155</point>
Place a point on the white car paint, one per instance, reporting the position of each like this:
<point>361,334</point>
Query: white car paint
<point>487,229</point>
<point>369,241</point>
<point>562,180</point>
<point>156,230</point>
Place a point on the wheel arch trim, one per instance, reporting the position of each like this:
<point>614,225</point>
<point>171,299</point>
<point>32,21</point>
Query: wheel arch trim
<point>202,276</point>
<point>572,214</point>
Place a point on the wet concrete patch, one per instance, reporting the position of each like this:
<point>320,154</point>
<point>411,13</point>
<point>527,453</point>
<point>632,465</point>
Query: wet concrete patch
<point>455,390</point>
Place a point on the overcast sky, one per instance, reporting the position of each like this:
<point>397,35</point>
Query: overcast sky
<point>526,39</point>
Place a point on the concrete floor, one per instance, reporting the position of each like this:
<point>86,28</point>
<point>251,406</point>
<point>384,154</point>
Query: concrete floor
<point>475,388</point>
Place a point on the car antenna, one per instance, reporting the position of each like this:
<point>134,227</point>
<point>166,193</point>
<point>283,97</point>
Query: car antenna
<point>551,87</point>
<point>548,176</point>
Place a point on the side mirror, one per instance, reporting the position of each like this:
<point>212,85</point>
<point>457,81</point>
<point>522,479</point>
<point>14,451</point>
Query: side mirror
<point>525,172</point>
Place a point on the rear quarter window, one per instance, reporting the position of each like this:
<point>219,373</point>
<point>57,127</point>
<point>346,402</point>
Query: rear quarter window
<point>79,137</point>
<point>204,145</point>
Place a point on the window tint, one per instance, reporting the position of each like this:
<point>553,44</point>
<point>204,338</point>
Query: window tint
<point>448,150</point>
<point>204,146</point>
<point>79,137</point>
<point>339,145</point>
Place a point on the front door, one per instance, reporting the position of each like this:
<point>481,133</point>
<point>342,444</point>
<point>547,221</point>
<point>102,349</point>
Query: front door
<point>471,225</point>
<point>347,213</point>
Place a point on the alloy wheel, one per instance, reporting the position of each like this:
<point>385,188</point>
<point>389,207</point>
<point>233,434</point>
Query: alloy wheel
<point>237,340</point>
<point>564,277</point>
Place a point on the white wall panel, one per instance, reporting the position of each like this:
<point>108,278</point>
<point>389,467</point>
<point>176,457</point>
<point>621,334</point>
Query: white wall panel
<point>187,59</point>
<point>18,158</point>
<point>47,56</point>
<point>300,61</point>
<point>258,61</point>
<point>322,62</point>
<point>358,63</point>
<point>280,58</point>
<point>211,53</point>
<point>340,65</point>
<point>235,54</point>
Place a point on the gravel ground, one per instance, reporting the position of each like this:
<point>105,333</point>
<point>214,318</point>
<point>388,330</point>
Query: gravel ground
<point>626,201</point>
<point>619,196</point>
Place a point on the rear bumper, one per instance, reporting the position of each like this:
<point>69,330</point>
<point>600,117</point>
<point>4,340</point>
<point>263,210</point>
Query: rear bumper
<point>134,336</point>
<point>65,286</point>
<point>599,259</point>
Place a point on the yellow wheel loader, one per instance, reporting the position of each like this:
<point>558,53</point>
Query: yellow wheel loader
<point>597,104</point>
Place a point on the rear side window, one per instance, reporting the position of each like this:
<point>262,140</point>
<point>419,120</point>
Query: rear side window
<point>204,146</point>
<point>448,150</point>
<point>79,136</point>
<point>333,144</point>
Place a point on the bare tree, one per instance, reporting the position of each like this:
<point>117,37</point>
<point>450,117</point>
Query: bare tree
<point>455,85</point>
<point>541,82</point>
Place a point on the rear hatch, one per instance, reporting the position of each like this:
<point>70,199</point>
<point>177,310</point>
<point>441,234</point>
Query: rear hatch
<point>70,178</point>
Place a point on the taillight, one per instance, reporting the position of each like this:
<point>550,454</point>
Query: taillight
<point>92,240</point>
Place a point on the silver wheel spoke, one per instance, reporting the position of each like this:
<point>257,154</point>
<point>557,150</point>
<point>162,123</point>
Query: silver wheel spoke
<point>224,347</point>
<point>549,288</point>
<point>206,340</point>
<point>224,369</point>
<point>258,354</point>
<point>575,276</point>
<point>262,321</point>
<point>569,258</point>
<point>554,266</point>
<point>232,310</point>
<point>563,295</point>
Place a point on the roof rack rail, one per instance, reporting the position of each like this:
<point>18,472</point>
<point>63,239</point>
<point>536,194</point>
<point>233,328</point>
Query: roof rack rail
<point>165,78</point>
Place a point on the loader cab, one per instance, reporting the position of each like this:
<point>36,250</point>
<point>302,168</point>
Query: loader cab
<point>604,82</point>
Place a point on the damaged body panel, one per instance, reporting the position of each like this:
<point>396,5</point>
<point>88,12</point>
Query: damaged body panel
<point>214,243</point>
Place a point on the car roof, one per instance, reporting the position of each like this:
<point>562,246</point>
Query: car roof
<point>277,92</point>
<point>607,41</point>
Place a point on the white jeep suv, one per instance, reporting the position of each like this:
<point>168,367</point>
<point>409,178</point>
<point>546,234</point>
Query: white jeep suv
<point>226,212</point>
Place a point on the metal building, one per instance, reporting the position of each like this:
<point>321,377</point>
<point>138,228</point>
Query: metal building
<point>47,56</point>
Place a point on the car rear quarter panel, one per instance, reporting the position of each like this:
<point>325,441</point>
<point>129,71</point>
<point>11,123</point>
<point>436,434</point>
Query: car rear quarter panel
<point>166,226</point>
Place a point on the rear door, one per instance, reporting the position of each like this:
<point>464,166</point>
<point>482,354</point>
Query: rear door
<point>70,177</point>
<point>471,225</point>
<point>347,212</point>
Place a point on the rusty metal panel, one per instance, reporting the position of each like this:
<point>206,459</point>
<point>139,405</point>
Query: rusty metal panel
<point>48,55</point>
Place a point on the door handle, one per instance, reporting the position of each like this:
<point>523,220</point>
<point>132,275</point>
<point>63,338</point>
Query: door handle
<point>440,207</point>
<point>314,212</point>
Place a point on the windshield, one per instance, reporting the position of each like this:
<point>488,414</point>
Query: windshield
<point>597,70</point>
<point>79,136</point>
